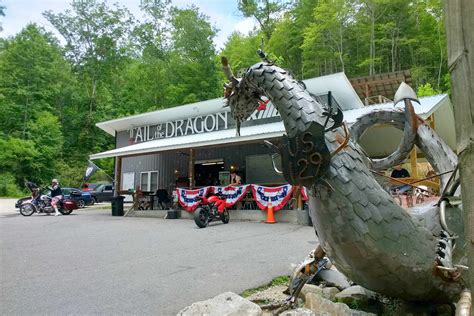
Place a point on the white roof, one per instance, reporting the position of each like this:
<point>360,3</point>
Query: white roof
<point>257,132</point>
<point>424,110</point>
<point>338,84</point>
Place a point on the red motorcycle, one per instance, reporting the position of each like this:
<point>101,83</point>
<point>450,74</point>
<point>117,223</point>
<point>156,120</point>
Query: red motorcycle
<point>210,209</point>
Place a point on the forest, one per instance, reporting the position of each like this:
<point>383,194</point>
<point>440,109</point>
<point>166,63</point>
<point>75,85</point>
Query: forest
<point>109,63</point>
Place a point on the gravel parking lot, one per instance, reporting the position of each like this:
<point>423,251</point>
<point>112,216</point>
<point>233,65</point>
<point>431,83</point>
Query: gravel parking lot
<point>93,263</point>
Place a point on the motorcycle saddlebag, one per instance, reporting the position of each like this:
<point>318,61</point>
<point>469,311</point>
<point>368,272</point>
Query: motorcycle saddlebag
<point>69,205</point>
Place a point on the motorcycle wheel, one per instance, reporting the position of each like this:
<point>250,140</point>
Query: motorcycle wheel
<point>201,218</point>
<point>64,211</point>
<point>27,210</point>
<point>225,217</point>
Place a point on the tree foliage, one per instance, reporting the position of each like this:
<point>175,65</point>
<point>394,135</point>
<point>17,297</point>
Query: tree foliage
<point>114,64</point>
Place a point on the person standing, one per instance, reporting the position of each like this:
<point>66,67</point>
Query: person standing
<point>56,195</point>
<point>235,179</point>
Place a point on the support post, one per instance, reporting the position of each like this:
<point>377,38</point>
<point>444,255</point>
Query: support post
<point>191,168</point>
<point>118,176</point>
<point>413,163</point>
<point>460,39</point>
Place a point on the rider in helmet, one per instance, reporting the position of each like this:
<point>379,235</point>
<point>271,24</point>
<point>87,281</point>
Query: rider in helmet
<point>56,195</point>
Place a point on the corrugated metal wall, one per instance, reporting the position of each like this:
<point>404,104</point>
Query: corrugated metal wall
<point>167,162</point>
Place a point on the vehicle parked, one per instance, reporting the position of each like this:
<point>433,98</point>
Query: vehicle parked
<point>40,202</point>
<point>90,186</point>
<point>81,198</point>
<point>211,209</point>
<point>103,193</point>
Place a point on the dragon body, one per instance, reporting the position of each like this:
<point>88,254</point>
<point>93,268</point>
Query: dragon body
<point>369,237</point>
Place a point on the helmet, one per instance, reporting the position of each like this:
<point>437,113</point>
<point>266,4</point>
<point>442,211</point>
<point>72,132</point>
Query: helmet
<point>54,181</point>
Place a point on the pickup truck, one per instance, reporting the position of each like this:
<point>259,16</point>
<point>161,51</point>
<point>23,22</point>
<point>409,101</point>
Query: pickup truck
<point>102,193</point>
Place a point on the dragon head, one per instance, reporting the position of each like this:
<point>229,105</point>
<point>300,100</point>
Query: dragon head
<point>304,152</point>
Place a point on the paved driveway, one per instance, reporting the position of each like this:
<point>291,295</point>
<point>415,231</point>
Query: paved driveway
<point>92,263</point>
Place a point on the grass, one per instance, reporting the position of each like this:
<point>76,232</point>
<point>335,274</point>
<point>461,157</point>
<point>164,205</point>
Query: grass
<point>280,280</point>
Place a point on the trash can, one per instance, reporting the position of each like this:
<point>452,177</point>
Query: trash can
<point>117,205</point>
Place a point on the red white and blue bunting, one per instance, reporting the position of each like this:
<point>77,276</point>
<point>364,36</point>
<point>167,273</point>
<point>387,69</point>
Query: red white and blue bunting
<point>189,198</point>
<point>304,193</point>
<point>278,195</point>
<point>233,194</point>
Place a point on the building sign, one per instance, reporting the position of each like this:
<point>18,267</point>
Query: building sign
<point>195,125</point>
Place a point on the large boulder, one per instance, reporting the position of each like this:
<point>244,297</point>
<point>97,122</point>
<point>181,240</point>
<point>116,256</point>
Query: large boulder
<point>333,278</point>
<point>356,294</point>
<point>310,288</point>
<point>299,312</point>
<point>225,304</point>
<point>321,305</point>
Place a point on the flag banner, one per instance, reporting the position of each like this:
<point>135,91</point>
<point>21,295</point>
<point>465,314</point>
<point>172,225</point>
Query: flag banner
<point>90,170</point>
<point>304,193</point>
<point>278,195</point>
<point>233,194</point>
<point>189,198</point>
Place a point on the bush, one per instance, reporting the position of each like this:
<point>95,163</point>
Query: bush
<point>8,186</point>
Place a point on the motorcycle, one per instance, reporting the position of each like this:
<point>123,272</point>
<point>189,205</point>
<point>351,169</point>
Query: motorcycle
<point>41,203</point>
<point>211,209</point>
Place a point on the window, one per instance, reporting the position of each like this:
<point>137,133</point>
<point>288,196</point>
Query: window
<point>149,181</point>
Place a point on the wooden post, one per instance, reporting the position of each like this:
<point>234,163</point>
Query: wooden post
<point>460,39</point>
<point>413,163</point>
<point>432,121</point>
<point>118,175</point>
<point>299,198</point>
<point>191,168</point>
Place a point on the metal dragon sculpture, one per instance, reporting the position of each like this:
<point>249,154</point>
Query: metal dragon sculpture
<point>369,237</point>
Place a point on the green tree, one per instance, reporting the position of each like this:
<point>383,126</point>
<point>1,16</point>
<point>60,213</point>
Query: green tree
<point>241,50</point>
<point>33,77</point>
<point>266,12</point>
<point>45,133</point>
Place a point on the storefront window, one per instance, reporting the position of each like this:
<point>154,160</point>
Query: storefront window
<point>149,181</point>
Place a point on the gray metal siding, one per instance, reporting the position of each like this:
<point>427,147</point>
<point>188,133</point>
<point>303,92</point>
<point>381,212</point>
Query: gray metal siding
<point>167,162</point>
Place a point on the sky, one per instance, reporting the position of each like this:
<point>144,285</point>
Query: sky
<point>223,14</point>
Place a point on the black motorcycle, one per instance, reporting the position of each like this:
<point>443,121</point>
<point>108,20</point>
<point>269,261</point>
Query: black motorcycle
<point>40,202</point>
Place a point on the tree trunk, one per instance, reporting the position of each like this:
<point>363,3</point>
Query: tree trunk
<point>460,37</point>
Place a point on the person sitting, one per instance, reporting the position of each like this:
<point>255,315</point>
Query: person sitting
<point>139,199</point>
<point>399,173</point>
<point>56,195</point>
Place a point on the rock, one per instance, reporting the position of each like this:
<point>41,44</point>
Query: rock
<point>272,294</point>
<point>330,292</point>
<point>320,306</point>
<point>310,288</point>
<point>333,278</point>
<point>357,294</point>
<point>227,303</point>
<point>299,312</point>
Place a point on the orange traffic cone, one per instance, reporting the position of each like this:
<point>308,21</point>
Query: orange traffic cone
<point>270,218</point>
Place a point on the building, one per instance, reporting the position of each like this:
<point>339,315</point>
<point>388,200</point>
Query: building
<point>196,144</point>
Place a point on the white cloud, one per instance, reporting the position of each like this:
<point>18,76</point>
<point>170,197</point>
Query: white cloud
<point>223,14</point>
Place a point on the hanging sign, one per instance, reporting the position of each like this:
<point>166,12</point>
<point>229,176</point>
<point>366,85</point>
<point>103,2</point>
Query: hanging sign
<point>233,194</point>
<point>189,199</point>
<point>278,195</point>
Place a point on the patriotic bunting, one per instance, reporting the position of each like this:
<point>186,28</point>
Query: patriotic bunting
<point>233,194</point>
<point>278,195</point>
<point>304,193</point>
<point>189,198</point>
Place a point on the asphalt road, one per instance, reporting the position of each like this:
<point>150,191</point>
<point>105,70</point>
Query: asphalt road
<point>92,263</point>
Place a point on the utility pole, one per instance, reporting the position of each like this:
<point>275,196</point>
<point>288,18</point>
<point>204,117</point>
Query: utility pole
<point>460,39</point>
